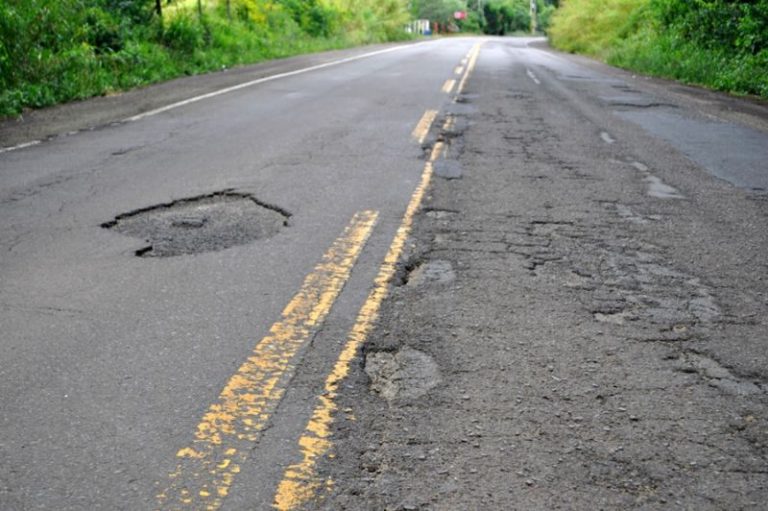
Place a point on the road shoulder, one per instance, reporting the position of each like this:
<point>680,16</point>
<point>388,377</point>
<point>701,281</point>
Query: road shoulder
<point>94,113</point>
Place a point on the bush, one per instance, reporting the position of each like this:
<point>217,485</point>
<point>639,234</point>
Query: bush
<point>53,51</point>
<point>507,16</point>
<point>718,43</point>
<point>545,16</point>
<point>102,31</point>
<point>183,33</point>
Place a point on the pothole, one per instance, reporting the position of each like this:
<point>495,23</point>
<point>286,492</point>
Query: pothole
<point>634,101</point>
<point>448,169</point>
<point>206,223</point>
<point>438,272</point>
<point>719,376</point>
<point>402,376</point>
<point>440,214</point>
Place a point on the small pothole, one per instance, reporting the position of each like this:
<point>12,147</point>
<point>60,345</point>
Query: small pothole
<point>440,214</point>
<point>402,376</point>
<point>448,169</point>
<point>436,272</point>
<point>206,223</point>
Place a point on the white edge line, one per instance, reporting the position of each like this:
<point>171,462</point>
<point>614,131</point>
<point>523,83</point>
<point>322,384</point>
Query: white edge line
<point>532,77</point>
<point>234,88</point>
<point>263,80</point>
<point>20,146</point>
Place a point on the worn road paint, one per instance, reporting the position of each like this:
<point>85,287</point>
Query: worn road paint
<point>661,190</point>
<point>301,483</point>
<point>448,86</point>
<point>450,123</point>
<point>608,139</point>
<point>20,146</point>
<point>474,53</point>
<point>422,128</point>
<point>532,76</point>
<point>229,429</point>
<point>459,70</point>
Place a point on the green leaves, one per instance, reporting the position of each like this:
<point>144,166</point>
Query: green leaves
<point>719,43</point>
<point>506,16</point>
<point>53,51</point>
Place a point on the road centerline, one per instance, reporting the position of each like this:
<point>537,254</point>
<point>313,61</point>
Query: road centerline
<point>471,58</point>
<point>421,130</point>
<point>229,428</point>
<point>300,482</point>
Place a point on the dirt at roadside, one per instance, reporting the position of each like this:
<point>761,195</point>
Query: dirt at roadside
<point>548,345</point>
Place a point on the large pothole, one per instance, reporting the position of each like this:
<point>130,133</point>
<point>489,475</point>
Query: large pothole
<point>205,223</point>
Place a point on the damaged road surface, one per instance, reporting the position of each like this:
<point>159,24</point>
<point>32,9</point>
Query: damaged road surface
<point>200,224</point>
<point>585,305</point>
<point>449,275</point>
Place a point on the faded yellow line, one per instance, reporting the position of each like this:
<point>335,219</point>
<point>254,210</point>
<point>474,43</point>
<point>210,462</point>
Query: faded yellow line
<point>301,483</point>
<point>450,123</point>
<point>422,128</point>
<point>228,430</point>
<point>473,55</point>
<point>448,86</point>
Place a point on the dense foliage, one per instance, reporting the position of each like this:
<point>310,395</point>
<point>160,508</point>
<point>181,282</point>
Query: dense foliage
<point>719,43</point>
<point>495,17</point>
<point>58,50</point>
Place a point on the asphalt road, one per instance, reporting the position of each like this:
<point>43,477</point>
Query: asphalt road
<point>184,289</point>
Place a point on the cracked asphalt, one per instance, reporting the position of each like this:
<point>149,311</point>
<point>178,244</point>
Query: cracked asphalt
<point>573,312</point>
<point>593,303</point>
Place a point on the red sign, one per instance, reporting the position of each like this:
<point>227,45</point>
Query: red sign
<point>460,15</point>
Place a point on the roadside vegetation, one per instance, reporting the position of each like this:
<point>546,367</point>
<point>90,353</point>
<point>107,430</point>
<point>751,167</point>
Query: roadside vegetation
<point>721,44</point>
<point>52,51</point>
<point>493,17</point>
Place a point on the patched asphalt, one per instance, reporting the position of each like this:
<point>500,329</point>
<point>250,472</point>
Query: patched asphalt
<point>593,299</point>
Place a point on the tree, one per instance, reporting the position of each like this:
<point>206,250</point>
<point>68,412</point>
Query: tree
<point>506,16</point>
<point>440,11</point>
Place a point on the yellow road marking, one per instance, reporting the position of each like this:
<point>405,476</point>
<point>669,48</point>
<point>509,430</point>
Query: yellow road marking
<point>473,54</point>
<point>228,430</point>
<point>422,128</point>
<point>301,482</point>
<point>449,85</point>
<point>450,123</point>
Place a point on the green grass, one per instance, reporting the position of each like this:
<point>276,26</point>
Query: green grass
<point>661,38</point>
<point>671,57</point>
<point>53,51</point>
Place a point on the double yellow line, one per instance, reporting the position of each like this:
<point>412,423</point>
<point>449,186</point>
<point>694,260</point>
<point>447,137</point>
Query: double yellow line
<point>207,467</point>
<point>301,483</point>
<point>474,53</point>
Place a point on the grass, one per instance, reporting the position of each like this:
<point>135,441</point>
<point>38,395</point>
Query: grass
<point>638,35</point>
<point>91,54</point>
<point>671,57</point>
